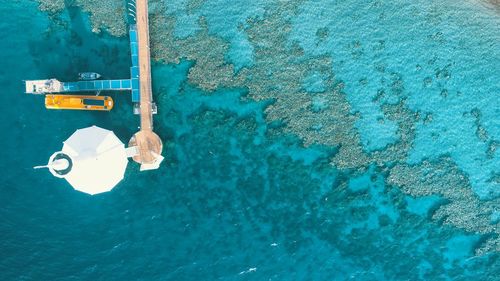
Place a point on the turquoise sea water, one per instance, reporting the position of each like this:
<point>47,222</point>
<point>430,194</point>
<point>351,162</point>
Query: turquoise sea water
<point>237,198</point>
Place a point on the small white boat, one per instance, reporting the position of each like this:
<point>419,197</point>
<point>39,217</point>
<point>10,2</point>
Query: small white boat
<point>88,76</point>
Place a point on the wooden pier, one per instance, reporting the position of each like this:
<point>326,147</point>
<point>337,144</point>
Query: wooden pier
<point>147,142</point>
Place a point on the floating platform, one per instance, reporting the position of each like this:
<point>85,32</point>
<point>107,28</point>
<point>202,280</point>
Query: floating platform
<point>74,102</point>
<point>42,87</point>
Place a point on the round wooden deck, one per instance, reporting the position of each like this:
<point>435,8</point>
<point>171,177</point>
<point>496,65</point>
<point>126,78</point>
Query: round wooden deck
<point>148,145</point>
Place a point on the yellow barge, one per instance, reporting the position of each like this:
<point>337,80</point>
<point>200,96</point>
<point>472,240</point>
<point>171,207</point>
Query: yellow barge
<point>76,102</point>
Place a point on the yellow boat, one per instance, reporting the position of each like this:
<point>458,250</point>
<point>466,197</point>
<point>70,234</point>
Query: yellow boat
<point>74,102</point>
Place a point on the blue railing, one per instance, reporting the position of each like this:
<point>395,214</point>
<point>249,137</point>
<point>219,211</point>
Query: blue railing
<point>98,85</point>
<point>134,70</point>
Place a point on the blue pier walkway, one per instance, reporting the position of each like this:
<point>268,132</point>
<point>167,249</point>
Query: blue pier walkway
<point>50,86</point>
<point>98,85</point>
<point>131,84</point>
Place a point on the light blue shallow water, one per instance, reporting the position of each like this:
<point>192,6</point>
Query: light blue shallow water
<point>233,200</point>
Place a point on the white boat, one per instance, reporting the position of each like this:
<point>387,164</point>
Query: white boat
<point>88,76</point>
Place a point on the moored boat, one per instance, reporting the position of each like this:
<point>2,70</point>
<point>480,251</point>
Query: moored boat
<point>76,102</point>
<point>88,75</point>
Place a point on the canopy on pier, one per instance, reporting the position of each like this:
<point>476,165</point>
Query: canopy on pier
<point>98,160</point>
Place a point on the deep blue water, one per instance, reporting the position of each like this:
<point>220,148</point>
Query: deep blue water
<point>237,198</point>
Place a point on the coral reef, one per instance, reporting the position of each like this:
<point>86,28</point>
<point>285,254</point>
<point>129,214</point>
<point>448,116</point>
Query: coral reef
<point>322,117</point>
<point>464,209</point>
<point>52,6</point>
<point>109,15</point>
